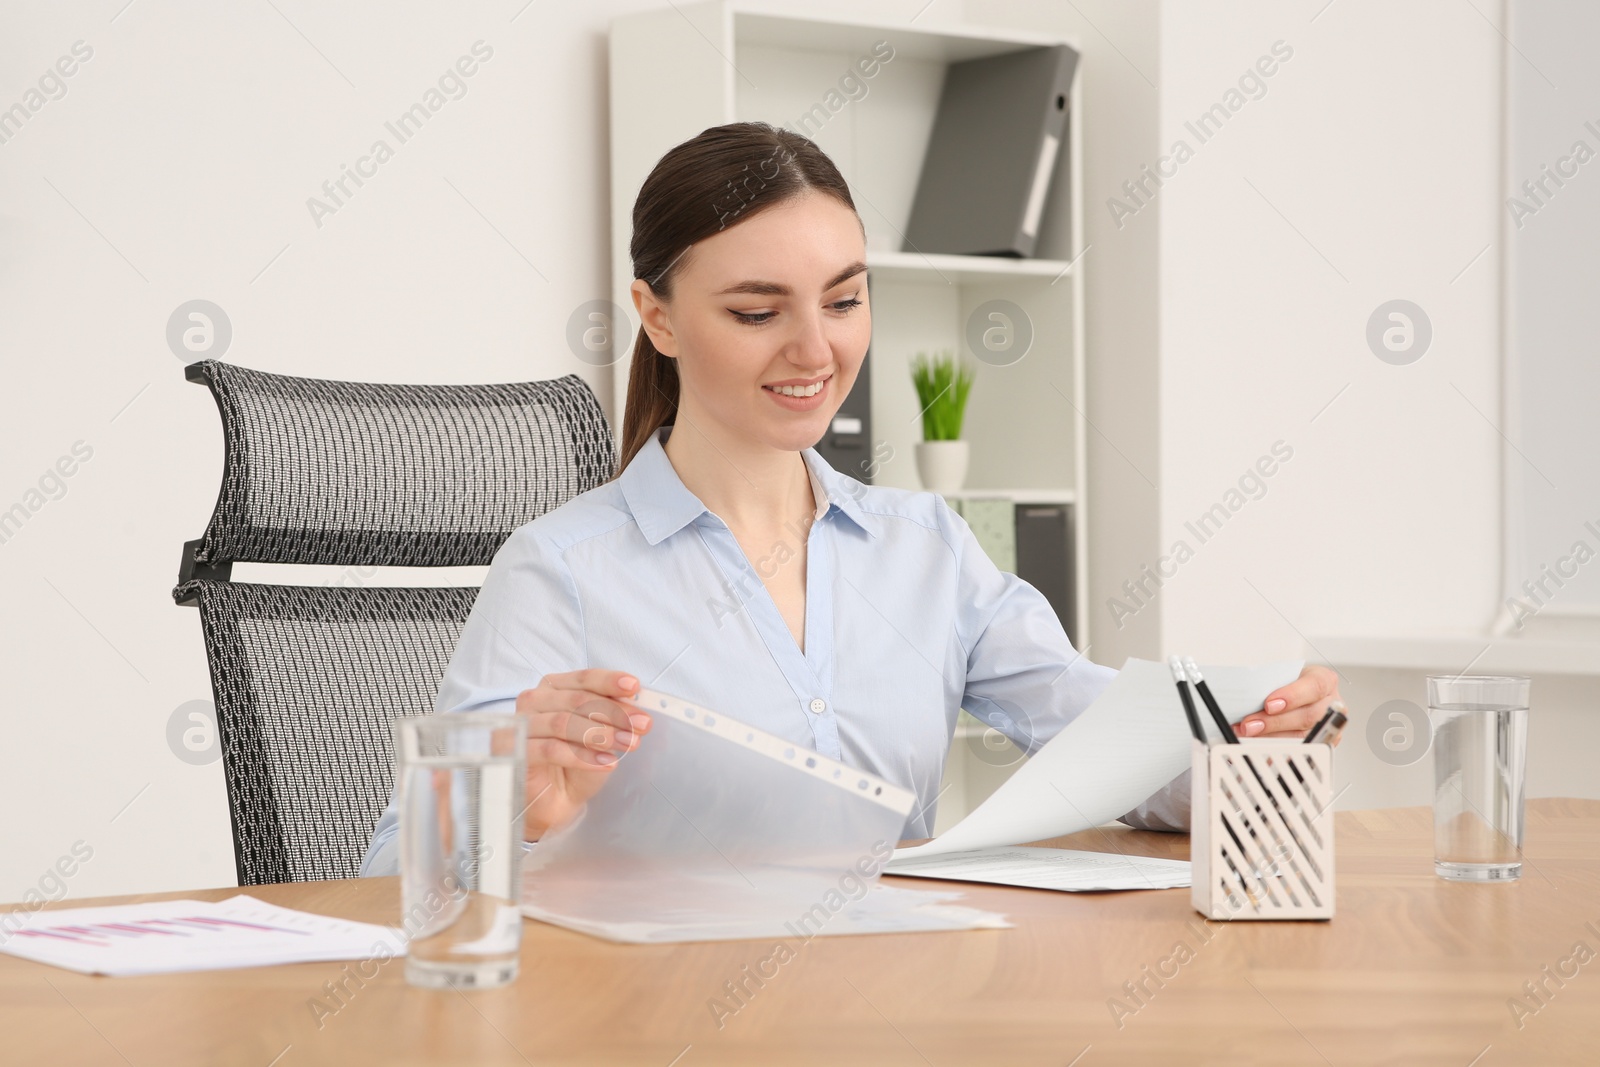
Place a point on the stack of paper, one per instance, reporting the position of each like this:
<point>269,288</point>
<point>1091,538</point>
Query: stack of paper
<point>1048,868</point>
<point>189,935</point>
<point>1126,746</point>
<point>878,909</point>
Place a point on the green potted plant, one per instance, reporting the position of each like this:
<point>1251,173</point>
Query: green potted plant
<point>943,384</point>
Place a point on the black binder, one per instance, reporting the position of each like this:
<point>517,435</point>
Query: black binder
<point>999,131</point>
<point>847,445</point>
<point>1045,558</point>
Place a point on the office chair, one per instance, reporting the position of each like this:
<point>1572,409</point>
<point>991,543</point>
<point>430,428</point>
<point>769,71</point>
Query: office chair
<point>308,679</point>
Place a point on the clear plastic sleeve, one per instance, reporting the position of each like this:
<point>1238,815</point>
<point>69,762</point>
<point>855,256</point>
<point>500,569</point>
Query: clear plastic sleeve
<point>711,829</point>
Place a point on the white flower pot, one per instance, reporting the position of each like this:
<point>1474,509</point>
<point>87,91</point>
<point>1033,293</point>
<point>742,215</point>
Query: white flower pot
<point>942,465</point>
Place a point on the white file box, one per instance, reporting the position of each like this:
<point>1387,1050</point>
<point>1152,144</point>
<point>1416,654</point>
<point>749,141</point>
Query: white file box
<point>1261,830</point>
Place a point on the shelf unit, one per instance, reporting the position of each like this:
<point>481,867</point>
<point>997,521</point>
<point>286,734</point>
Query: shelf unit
<point>961,270</point>
<point>685,67</point>
<point>1017,496</point>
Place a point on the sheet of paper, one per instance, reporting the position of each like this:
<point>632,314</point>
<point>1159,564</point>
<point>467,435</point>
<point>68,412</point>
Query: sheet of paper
<point>189,935</point>
<point>1066,870</point>
<point>882,910</point>
<point>1124,747</point>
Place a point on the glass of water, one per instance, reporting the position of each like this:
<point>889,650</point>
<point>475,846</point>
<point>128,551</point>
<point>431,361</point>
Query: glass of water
<point>459,791</point>
<point>1480,756</point>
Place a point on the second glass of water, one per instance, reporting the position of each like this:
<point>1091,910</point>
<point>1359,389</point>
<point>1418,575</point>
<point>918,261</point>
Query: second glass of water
<point>459,786</point>
<point>1480,756</point>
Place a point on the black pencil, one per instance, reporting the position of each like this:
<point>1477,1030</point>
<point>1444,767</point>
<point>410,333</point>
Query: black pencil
<point>1211,702</point>
<point>1188,701</point>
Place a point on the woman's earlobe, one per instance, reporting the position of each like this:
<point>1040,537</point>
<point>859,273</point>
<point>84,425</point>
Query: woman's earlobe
<point>652,311</point>
<point>660,339</point>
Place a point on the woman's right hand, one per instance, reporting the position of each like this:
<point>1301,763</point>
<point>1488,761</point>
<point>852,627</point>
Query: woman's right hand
<point>577,730</point>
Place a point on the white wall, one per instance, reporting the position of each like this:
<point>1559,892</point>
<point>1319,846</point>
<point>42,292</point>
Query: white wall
<point>1553,489</point>
<point>1367,172</point>
<point>178,166</point>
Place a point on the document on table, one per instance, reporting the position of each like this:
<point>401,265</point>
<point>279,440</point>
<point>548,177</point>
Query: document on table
<point>1122,749</point>
<point>880,909</point>
<point>189,935</point>
<point>1066,870</point>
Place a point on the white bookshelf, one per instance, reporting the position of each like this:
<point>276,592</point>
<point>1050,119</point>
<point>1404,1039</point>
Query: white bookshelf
<point>1017,496</point>
<point>685,67</point>
<point>928,268</point>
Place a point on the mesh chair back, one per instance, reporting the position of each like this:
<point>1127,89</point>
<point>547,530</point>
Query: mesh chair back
<point>308,679</point>
<point>403,475</point>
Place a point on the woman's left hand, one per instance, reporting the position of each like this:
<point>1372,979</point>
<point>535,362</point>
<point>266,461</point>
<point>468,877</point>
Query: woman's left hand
<point>1293,709</point>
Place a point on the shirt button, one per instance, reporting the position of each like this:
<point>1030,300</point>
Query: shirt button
<point>818,705</point>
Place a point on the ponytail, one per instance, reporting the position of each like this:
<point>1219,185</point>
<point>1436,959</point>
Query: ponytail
<point>652,397</point>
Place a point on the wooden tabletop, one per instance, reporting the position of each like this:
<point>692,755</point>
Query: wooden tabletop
<point>1412,970</point>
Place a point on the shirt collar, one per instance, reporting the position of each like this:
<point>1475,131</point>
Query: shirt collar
<point>662,505</point>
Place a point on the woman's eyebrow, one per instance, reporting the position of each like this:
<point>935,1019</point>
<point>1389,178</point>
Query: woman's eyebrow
<point>760,288</point>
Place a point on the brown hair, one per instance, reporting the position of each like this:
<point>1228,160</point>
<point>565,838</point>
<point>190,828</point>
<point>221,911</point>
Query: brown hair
<point>720,177</point>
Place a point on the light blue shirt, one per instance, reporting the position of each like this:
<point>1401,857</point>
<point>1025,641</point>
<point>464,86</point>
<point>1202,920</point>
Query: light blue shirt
<point>906,622</point>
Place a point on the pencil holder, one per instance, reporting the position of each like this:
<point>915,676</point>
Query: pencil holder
<point>1261,832</point>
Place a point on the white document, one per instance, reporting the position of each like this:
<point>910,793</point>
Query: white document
<point>170,936</point>
<point>1066,870</point>
<point>882,910</point>
<point>1124,747</point>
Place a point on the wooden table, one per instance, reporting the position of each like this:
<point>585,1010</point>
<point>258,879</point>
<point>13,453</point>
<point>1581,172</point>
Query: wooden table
<point>1412,970</point>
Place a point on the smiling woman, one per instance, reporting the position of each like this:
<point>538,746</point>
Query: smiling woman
<point>726,562</point>
<point>752,334</point>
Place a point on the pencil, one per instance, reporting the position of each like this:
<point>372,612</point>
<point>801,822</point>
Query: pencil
<point>1188,701</point>
<point>1211,702</point>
